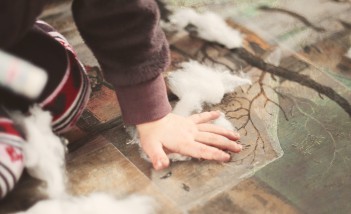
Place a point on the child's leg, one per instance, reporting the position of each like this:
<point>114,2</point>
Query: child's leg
<point>65,95</point>
<point>11,158</point>
<point>68,89</point>
<point>69,101</point>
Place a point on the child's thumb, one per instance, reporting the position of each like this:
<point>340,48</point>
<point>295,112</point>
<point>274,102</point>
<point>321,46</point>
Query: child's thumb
<point>157,155</point>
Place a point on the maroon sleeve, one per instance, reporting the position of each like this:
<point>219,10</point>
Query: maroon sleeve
<point>16,18</point>
<point>131,48</point>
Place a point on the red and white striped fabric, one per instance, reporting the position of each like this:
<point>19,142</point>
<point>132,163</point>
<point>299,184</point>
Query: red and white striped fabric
<point>66,103</point>
<point>11,157</point>
<point>70,97</point>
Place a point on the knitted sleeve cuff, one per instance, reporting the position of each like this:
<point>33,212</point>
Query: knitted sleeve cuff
<point>144,102</point>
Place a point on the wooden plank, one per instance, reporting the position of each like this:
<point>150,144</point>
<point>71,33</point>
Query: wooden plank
<point>249,196</point>
<point>104,105</point>
<point>105,169</point>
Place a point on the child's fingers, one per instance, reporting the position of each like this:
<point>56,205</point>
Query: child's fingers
<point>211,128</point>
<point>204,117</point>
<point>218,141</point>
<point>156,154</point>
<point>199,150</point>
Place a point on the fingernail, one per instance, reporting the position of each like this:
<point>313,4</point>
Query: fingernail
<point>226,156</point>
<point>159,165</point>
<point>162,164</point>
<point>240,147</point>
<point>236,135</point>
<point>229,159</point>
<point>217,112</point>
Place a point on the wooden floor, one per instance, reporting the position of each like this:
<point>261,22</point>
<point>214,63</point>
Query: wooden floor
<point>297,156</point>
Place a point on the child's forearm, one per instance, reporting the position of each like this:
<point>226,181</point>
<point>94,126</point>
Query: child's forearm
<point>131,48</point>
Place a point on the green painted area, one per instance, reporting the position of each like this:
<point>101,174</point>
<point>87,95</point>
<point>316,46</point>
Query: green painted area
<point>314,173</point>
<point>341,78</point>
<point>247,9</point>
<point>294,32</point>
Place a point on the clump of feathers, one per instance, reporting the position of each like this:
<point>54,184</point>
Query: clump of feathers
<point>196,85</point>
<point>44,154</point>
<point>209,26</point>
<point>96,203</point>
<point>44,158</point>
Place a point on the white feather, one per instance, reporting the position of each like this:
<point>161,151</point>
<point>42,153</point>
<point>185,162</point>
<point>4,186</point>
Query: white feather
<point>210,27</point>
<point>44,159</point>
<point>196,84</point>
<point>223,122</point>
<point>43,152</point>
<point>96,203</point>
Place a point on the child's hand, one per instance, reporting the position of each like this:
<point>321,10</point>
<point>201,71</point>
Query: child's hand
<point>192,136</point>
